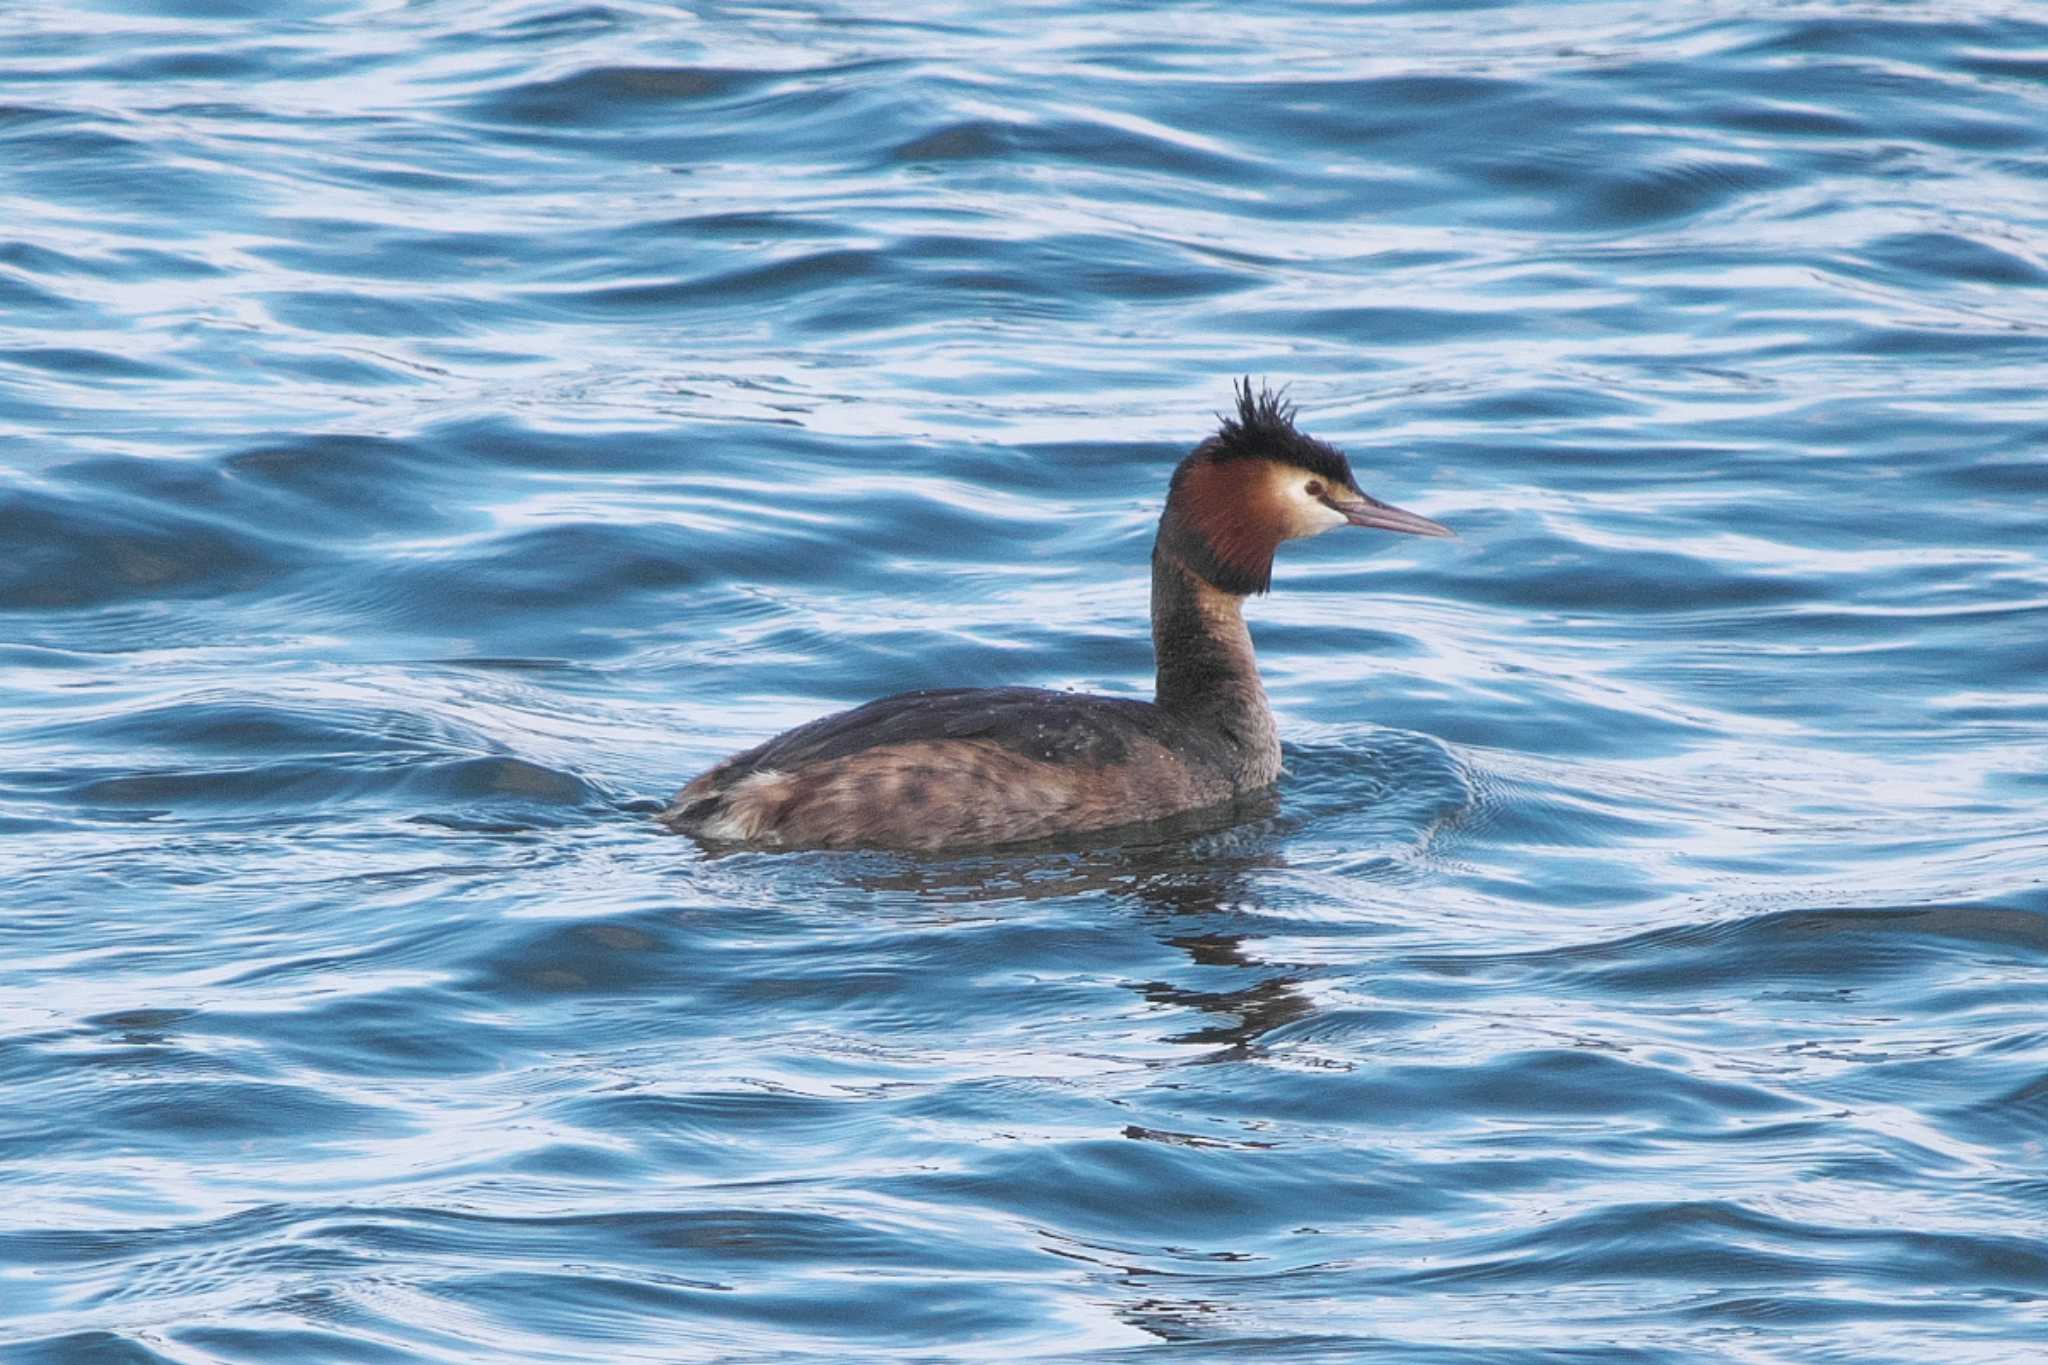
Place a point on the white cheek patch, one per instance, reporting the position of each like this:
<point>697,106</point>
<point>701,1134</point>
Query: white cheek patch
<point>1296,509</point>
<point>1307,516</point>
<point>1326,517</point>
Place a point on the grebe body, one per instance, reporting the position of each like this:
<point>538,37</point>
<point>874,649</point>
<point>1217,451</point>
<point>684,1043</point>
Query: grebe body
<point>965,767</point>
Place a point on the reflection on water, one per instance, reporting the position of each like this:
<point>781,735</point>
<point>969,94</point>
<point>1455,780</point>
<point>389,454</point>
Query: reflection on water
<point>1168,881</point>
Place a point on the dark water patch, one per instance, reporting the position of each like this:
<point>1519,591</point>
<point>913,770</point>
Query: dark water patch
<point>1785,119</point>
<point>1883,37</point>
<point>1582,1085</point>
<point>1983,134</point>
<point>95,1247</point>
<point>290,785</point>
<point>39,260</point>
<point>1376,112</point>
<point>849,1314</point>
<point>524,572</point>
<point>701,1128</point>
<point>16,119</point>
<point>715,1231</point>
<point>238,723</point>
<point>209,1113</point>
<point>245,63</point>
<point>70,553</point>
<point>435,786</point>
<point>554,23</point>
<point>581,959</point>
<point>1676,190</point>
<point>373,1038</point>
<point>351,485</point>
<point>113,173</point>
<point>629,113</point>
<point>1216,1199</point>
<point>147,1020</point>
<point>2020,477</point>
<point>981,139</point>
<point>148,263</point>
<point>83,364</point>
<point>1820,945</point>
<point>2002,66</point>
<point>24,295</point>
<point>746,228</point>
<point>609,94</point>
<point>1010,146</point>
<point>1959,341</point>
<point>149,530</point>
<point>1723,1244</point>
<point>497,778</point>
<point>1586,190</point>
<point>779,281</point>
<point>1946,255</point>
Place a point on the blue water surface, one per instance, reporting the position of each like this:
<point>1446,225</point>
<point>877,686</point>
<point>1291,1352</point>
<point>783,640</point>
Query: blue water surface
<point>431,432</point>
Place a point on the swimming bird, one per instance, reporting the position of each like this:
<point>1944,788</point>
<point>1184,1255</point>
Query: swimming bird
<point>965,767</point>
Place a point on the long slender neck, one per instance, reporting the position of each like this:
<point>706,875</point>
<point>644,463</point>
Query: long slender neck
<point>1207,675</point>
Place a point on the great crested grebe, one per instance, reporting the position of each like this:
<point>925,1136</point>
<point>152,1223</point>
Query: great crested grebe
<point>965,766</point>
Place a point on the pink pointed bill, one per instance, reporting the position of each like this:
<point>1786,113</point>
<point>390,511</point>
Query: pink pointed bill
<point>1370,511</point>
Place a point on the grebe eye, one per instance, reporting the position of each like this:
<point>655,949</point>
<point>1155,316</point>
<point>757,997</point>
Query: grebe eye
<point>1314,489</point>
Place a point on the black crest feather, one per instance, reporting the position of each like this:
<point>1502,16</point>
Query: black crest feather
<point>1263,429</point>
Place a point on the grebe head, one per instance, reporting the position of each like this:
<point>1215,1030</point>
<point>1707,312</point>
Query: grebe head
<point>1258,482</point>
